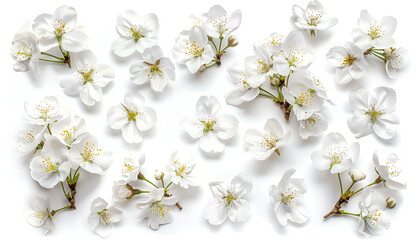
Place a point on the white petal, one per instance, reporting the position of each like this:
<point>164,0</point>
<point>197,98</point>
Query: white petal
<point>210,143</point>
<point>131,134</point>
<point>226,126</point>
<point>123,47</point>
<point>75,41</point>
<point>215,212</point>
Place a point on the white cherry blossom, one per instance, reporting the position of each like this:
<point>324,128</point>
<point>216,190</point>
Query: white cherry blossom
<point>373,219</point>
<point>102,217</point>
<point>43,112</point>
<point>40,216</point>
<point>315,125</point>
<point>25,50</point>
<point>89,79</point>
<point>196,20</point>
<point>132,117</point>
<point>131,167</point>
<point>389,168</point>
<point>287,199</point>
<point>228,200</point>
<point>373,112</point>
<point>336,155</point>
<point>70,131</point>
<point>28,139</point>
<point>210,126</point>
<point>259,66</point>
<point>262,144</point>
<point>153,67</point>
<point>273,43</point>
<point>60,29</point>
<point>180,168</point>
<point>136,33</point>
<point>219,25</point>
<point>395,59</point>
<point>121,192</point>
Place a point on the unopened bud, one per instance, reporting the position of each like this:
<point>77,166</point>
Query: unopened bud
<point>159,175</point>
<point>357,175</point>
<point>390,202</point>
<point>202,68</point>
<point>140,176</point>
<point>233,41</point>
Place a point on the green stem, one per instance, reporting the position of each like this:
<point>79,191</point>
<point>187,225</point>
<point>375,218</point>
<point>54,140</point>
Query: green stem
<point>163,183</point>
<point>375,182</point>
<point>272,96</point>
<point>166,189</point>
<point>76,172</point>
<point>378,56</point>
<point>287,80</point>
<point>220,44</point>
<point>209,66</point>
<point>211,40</point>
<point>264,95</point>
<point>64,191</point>
<point>348,190</point>
<point>53,212</point>
<point>49,130</point>
<point>147,180</point>
<point>47,54</point>
<point>347,213</point>
<point>341,185</point>
<point>46,60</point>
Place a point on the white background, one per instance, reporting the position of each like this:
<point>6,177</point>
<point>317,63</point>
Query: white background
<point>259,19</point>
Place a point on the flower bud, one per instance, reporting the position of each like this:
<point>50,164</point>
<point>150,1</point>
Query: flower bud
<point>120,193</point>
<point>357,175</point>
<point>232,41</point>
<point>387,51</point>
<point>159,175</point>
<point>390,202</point>
<point>202,68</point>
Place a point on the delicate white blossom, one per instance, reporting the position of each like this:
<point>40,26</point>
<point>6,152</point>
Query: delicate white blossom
<point>373,112</point>
<point>259,66</point>
<point>25,49</point>
<point>196,20</point>
<point>273,43</point>
<point>336,154</point>
<point>60,29</point>
<point>287,199</point>
<point>136,33</point>
<point>389,169</point>
<point>132,117</point>
<point>70,131</point>
<point>41,214</point>
<point>373,219</point>
<point>28,139</point>
<point>180,168</point>
<point>102,217</point>
<point>357,175</point>
<point>219,25</point>
<point>395,59</point>
<point>153,67</point>
<point>229,200</point>
<point>121,192</point>
<point>262,144</point>
<point>43,112</point>
<point>89,79</point>
<point>315,125</point>
<point>131,168</point>
<point>210,126</point>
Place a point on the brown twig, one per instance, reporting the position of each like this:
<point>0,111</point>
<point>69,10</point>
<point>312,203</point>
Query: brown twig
<point>177,204</point>
<point>337,206</point>
<point>72,197</point>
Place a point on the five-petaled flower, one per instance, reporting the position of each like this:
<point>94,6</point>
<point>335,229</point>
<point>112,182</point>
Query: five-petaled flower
<point>102,217</point>
<point>373,219</point>
<point>389,169</point>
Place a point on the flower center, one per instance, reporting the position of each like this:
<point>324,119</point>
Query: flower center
<point>208,125</point>
<point>375,31</point>
<point>131,114</point>
<point>44,108</point>
<point>105,217</point>
<point>87,75</point>
<point>393,170</point>
<point>128,166</point>
<point>290,197</point>
<point>48,166</point>
<point>229,198</point>
<point>194,49</point>
<point>22,52</point>
<point>28,137</point>
<point>159,209</point>
<point>135,33</point>
<point>314,16</point>
<point>220,24</point>
<point>263,66</point>
<point>90,153</point>
<point>41,214</point>
<point>269,141</point>
<point>59,28</point>
<point>311,123</point>
<point>347,60</point>
<point>304,98</point>
<point>274,40</point>
<point>374,219</point>
<point>68,135</point>
<point>337,155</point>
<point>374,113</point>
<point>154,69</point>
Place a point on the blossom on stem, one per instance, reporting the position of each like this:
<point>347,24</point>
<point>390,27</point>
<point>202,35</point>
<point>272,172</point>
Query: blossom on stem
<point>395,59</point>
<point>43,112</point>
<point>315,125</point>
<point>29,139</point>
<point>357,175</point>
<point>70,131</point>
<point>229,200</point>
<point>121,192</point>
<point>180,168</point>
<point>373,219</point>
<point>102,217</point>
<point>259,66</point>
<point>218,25</point>
<point>25,50</point>
<point>131,168</point>
<point>389,169</point>
<point>41,214</point>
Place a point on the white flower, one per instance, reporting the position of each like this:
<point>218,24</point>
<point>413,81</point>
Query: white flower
<point>154,206</point>
<point>88,156</point>
<point>357,175</point>
<point>70,131</point>
<point>219,25</point>
<point>295,55</point>
<point>153,67</point>
<point>246,87</point>
<point>41,214</point>
<point>60,29</point>
<point>89,79</point>
<point>132,117</point>
<point>210,126</point>
<point>42,112</point>
<point>121,192</point>
<point>131,168</point>
<point>25,49</point>
<point>180,168</point>
<point>302,96</point>
<point>273,43</point>
<point>373,113</point>
<point>373,220</point>
<point>350,62</point>
<point>396,59</point>
<point>28,140</point>
<point>336,154</point>
<point>312,18</point>
<point>262,144</point>
<point>136,33</point>
<point>197,20</point>
<point>315,125</point>
<point>389,169</point>
<point>372,32</point>
<point>229,200</point>
<point>102,217</point>
<point>192,50</point>
<point>287,199</point>
<point>50,166</point>
<point>259,66</point>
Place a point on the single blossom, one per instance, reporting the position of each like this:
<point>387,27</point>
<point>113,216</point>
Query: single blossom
<point>29,139</point>
<point>132,117</point>
<point>313,17</point>
<point>88,156</point>
<point>246,88</point>
<point>373,112</point>
<point>259,66</point>
<point>131,168</point>
<point>373,219</point>
<point>180,168</point>
<point>136,33</point>
<point>389,169</point>
<point>315,125</point>
<point>195,20</point>
<point>60,29</point>
<point>349,61</point>
<point>121,192</point>
<point>153,67</point>
<point>70,131</point>
<point>89,79</point>
<point>210,126</point>
<point>25,50</point>
<point>395,59</point>
<point>336,154</point>
<point>102,217</point>
<point>295,55</point>
<point>50,166</point>
<point>287,199</point>
<point>262,144</point>
<point>43,112</point>
<point>302,96</point>
<point>155,207</point>
<point>273,43</point>
<point>228,200</point>
<point>373,32</point>
<point>41,214</point>
<point>192,49</point>
<point>219,25</point>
